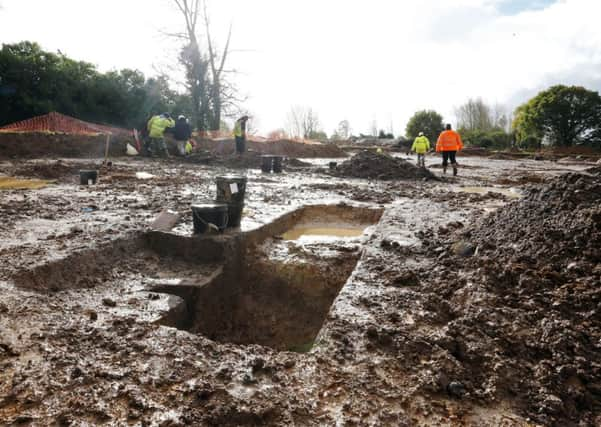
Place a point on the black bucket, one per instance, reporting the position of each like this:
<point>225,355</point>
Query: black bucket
<point>277,164</point>
<point>231,188</point>
<point>266,163</point>
<point>333,165</point>
<point>204,214</point>
<point>87,177</point>
<point>234,212</point>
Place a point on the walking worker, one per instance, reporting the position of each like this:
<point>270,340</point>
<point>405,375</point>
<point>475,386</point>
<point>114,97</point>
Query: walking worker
<point>240,134</point>
<point>449,142</point>
<point>182,134</point>
<point>156,131</point>
<point>420,146</point>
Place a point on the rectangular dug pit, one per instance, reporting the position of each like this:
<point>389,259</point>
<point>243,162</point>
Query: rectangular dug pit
<point>280,290</point>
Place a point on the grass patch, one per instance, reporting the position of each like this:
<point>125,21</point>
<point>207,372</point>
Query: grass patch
<point>8,183</point>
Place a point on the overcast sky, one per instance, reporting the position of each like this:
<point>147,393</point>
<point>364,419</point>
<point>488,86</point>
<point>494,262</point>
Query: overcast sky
<point>347,59</point>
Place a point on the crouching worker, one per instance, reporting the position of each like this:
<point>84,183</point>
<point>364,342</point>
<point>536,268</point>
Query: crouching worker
<point>156,131</point>
<point>420,146</point>
<point>182,134</point>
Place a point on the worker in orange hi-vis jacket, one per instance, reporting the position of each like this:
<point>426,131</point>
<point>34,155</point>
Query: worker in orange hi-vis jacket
<point>449,142</point>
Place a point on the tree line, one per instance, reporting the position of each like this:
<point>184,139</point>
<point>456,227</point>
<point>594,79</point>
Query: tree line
<point>35,82</point>
<point>559,116</point>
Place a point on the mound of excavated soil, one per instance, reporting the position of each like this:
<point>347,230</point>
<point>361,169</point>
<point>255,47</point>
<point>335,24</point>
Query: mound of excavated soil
<point>555,225</point>
<point>281,147</point>
<point>250,160</point>
<point>372,165</point>
<point>52,170</point>
<point>39,145</point>
<point>526,313</point>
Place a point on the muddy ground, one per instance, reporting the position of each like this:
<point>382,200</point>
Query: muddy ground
<point>454,307</point>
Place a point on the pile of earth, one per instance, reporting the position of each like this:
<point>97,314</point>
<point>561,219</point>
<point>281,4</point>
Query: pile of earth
<point>250,160</point>
<point>282,147</point>
<point>49,170</point>
<point>67,171</point>
<point>556,225</point>
<point>20,145</point>
<point>373,165</point>
<point>524,296</point>
<point>475,151</point>
<point>296,163</point>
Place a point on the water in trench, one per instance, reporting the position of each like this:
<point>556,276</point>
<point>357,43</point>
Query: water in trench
<point>512,193</point>
<point>317,233</point>
<point>278,293</point>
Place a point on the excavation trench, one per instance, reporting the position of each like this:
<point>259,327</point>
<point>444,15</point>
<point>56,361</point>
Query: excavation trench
<point>273,286</point>
<point>277,286</point>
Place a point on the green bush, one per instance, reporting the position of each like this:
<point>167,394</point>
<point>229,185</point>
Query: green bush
<point>496,139</point>
<point>531,142</point>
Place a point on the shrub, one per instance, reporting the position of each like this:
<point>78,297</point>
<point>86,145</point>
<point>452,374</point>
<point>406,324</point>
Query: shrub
<point>531,142</point>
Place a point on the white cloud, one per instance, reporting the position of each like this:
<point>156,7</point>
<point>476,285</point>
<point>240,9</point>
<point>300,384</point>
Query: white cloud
<point>349,59</point>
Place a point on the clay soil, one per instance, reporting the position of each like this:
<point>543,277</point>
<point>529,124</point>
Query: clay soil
<point>470,301</point>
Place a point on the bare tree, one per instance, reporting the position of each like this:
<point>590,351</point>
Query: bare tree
<point>302,122</point>
<point>474,115</point>
<point>211,93</point>
<point>193,62</point>
<point>294,120</point>
<point>501,118</point>
<point>344,130</point>
<point>373,128</point>
<point>217,62</point>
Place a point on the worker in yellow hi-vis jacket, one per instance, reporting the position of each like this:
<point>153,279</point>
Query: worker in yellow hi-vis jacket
<point>421,145</point>
<point>240,134</point>
<point>156,130</point>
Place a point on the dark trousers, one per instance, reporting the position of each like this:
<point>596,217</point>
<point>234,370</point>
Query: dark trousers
<point>240,144</point>
<point>446,155</point>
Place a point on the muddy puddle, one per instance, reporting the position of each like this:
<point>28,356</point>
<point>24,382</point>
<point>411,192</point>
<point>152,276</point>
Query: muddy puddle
<point>512,193</point>
<point>321,232</point>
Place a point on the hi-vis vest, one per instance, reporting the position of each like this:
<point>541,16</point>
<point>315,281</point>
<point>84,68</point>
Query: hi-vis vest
<point>420,145</point>
<point>157,126</point>
<point>238,129</point>
<point>449,140</point>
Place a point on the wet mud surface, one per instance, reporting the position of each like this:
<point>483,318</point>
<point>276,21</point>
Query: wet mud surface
<point>467,301</point>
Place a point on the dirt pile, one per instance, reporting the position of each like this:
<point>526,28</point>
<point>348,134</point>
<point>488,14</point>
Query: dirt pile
<point>52,170</point>
<point>37,145</point>
<point>525,307</point>
<point>475,151</point>
<point>372,165</point>
<point>250,160</point>
<point>555,226</point>
<point>283,147</point>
